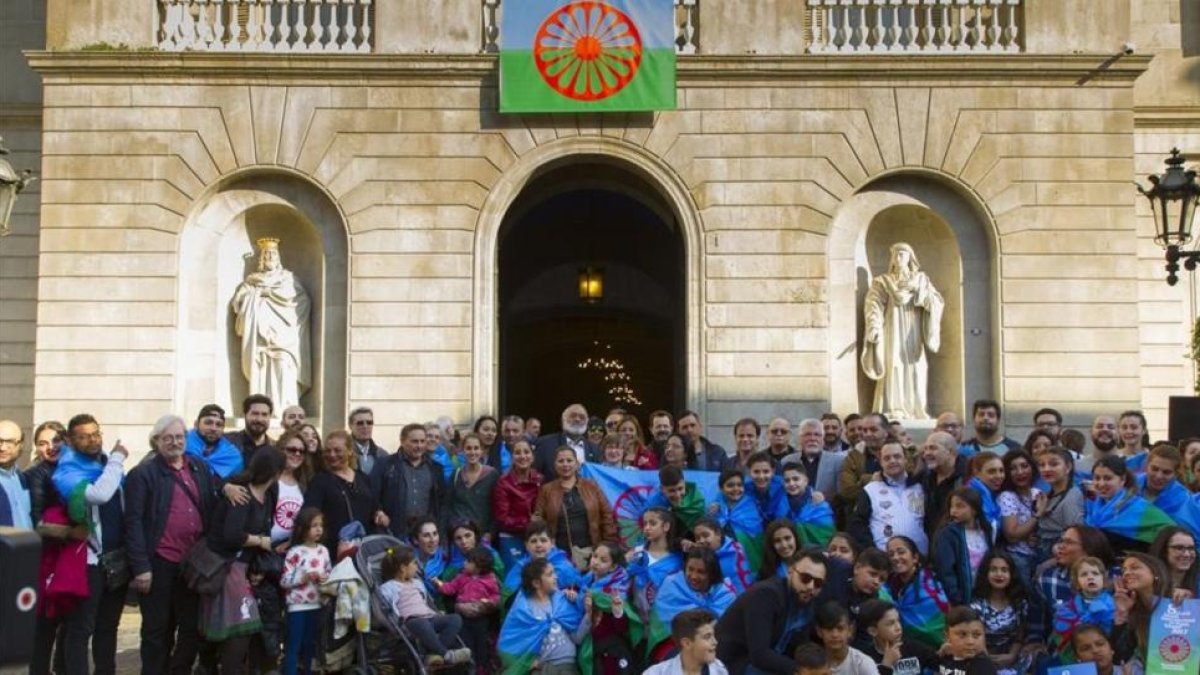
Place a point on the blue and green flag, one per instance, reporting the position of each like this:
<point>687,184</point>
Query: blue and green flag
<point>587,56</point>
<point>1126,515</point>
<point>632,492</point>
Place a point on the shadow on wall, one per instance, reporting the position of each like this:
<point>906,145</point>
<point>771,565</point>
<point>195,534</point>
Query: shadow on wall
<point>1189,19</point>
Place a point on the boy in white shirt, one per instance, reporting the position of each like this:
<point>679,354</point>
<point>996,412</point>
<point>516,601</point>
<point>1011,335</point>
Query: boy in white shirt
<point>694,631</point>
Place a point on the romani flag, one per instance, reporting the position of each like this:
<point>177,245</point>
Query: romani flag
<point>587,56</point>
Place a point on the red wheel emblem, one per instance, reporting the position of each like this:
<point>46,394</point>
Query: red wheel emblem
<point>26,599</point>
<point>587,50</point>
<point>628,510</point>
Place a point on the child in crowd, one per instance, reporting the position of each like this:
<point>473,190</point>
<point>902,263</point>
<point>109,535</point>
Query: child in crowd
<point>730,554</point>
<point>1093,604</point>
<point>811,660</point>
<point>881,638</point>
<point>960,545</point>
<point>606,586</point>
<point>966,647</point>
<point>835,630</point>
<point>544,626</point>
<point>476,594</point>
<point>841,545</point>
<point>305,567</point>
<point>737,514</point>
<point>658,557</point>
<point>694,631</point>
<point>763,486</point>
<point>539,544</point>
<point>812,516</point>
<point>779,543</point>
<point>1091,645</point>
<point>408,600</point>
<point>1000,599</point>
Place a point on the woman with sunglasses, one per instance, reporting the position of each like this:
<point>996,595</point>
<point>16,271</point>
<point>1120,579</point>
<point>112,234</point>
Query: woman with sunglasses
<point>297,471</point>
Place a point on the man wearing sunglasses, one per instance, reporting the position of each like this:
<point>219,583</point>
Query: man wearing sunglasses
<point>758,632</point>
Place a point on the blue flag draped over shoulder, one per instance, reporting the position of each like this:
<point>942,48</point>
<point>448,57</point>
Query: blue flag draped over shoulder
<point>631,492</point>
<point>1178,503</point>
<point>522,634</point>
<point>814,522</point>
<point>434,568</point>
<point>225,459</point>
<point>735,565</point>
<point>568,576</point>
<point>768,504</point>
<point>1126,515</point>
<point>744,523</point>
<point>75,471</point>
<point>1079,611</point>
<point>991,510</point>
<point>922,605</point>
<point>675,596</point>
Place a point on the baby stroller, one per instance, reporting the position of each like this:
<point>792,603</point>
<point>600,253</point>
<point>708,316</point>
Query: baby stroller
<point>389,647</point>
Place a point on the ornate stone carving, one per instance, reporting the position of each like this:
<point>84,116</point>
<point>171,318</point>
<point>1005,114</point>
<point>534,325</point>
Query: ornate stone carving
<point>272,311</point>
<point>903,317</point>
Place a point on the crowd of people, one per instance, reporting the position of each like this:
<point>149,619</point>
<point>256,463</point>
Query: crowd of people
<point>842,549</point>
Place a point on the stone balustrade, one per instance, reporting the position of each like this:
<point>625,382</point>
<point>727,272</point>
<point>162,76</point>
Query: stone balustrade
<point>914,26</point>
<point>265,25</point>
<point>687,25</point>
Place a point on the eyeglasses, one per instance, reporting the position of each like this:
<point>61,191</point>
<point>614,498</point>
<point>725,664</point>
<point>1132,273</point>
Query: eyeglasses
<point>10,441</point>
<point>364,423</point>
<point>1182,548</point>
<point>779,431</point>
<point>808,579</point>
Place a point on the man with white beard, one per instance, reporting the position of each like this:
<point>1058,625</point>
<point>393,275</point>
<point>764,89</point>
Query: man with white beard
<point>573,435</point>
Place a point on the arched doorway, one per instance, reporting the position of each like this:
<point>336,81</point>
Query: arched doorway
<point>626,348</point>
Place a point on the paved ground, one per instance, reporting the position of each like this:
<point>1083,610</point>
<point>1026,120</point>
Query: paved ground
<point>128,662</point>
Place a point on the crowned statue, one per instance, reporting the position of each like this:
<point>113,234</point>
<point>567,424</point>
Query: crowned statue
<point>903,318</point>
<point>272,311</point>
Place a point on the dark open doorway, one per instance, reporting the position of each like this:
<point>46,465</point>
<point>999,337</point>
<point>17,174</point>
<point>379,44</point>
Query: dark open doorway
<point>627,349</point>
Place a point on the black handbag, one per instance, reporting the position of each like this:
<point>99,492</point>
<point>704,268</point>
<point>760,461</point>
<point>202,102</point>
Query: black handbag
<point>115,566</point>
<point>204,570</point>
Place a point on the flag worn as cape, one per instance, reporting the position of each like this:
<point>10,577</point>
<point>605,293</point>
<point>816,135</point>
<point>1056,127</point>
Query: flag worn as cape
<point>1077,612</point>
<point>743,522</point>
<point>814,522</point>
<point>225,459</point>
<point>431,569</point>
<point>690,509</point>
<point>922,605</point>
<point>1137,463</point>
<point>602,590</point>
<point>74,473</point>
<point>630,493</point>
<point>675,596</point>
<point>1177,502</point>
<point>991,510</point>
<point>587,56</point>
<point>768,504</point>
<point>522,634</point>
<point>449,463</point>
<point>648,577</point>
<point>568,576</point>
<point>1126,515</point>
<point>735,565</point>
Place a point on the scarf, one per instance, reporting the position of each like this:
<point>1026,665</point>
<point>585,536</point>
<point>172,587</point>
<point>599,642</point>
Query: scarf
<point>225,460</point>
<point>522,634</point>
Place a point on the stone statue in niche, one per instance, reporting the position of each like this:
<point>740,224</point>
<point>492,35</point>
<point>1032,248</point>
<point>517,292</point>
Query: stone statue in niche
<point>272,311</point>
<point>903,317</point>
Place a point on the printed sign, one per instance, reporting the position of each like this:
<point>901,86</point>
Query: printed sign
<point>1174,639</point>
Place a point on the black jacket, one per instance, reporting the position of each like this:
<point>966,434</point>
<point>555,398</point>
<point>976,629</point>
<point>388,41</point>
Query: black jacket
<point>753,624</point>
<point>41,489</point>
<point>715,457</point>
<point>548,445</point>
<point>937,496</point>
<point>242,441</point>
<point>149,488</point>
<point>393,493</point>
<point>231,524</point>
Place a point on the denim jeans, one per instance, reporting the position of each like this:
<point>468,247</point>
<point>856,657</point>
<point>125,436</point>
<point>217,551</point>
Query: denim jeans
<point>435,633</point>
<point>302,628</point>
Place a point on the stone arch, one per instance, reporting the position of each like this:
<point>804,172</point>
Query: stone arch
<point>955,238</point>
<point>217,250</point>
<point>623,155</point>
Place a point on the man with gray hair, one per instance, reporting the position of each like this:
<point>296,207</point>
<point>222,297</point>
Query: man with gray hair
<point>822,466</point>
<point>361,421</point>
<point>944,473</point>
<point>572,435</point>
<point>168,499</point>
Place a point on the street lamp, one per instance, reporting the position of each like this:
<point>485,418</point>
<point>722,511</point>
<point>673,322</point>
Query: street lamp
<point>11,183</point>
<point>1173,197</point>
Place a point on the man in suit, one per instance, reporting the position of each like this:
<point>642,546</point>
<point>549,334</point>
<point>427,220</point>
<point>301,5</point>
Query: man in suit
<point>573,434</point>
<point>822,466</point>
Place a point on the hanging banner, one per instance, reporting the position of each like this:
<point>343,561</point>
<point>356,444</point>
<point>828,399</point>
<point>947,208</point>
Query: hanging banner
<point>1174,639</point>
<point>587,56</point>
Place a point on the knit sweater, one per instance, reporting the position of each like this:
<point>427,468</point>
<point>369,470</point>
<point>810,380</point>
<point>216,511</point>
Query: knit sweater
<point>302,591</point>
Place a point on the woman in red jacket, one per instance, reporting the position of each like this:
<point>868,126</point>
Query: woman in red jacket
<point>513,500</point>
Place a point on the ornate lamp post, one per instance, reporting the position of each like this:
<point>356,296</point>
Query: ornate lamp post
<point>11,183</point>
<point>1173,197</point>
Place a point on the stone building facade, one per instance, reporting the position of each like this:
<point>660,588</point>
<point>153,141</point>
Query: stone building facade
<point>782,175</point>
